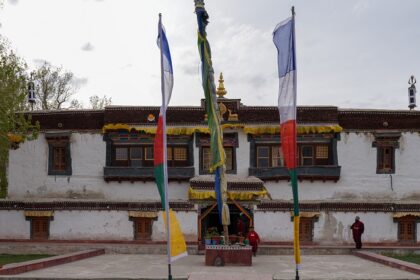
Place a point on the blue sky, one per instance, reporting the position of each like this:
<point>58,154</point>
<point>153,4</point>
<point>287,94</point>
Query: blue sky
<point>351,54</point>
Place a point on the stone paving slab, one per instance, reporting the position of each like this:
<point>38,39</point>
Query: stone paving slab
<point>392,262</point>
<point>119,266</point>
<point>21,267</point>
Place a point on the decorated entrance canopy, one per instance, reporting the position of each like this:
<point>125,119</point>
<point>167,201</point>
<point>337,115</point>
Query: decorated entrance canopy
<point>238,188</point>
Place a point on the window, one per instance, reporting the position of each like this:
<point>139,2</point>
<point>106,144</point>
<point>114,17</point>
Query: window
<point>207,158</point>
<point>141,156</point>
<point>40,228</point>
<point>142,228</point>
<point>385,144</point>
<point>130,156</point>
<point>314,154</point>
<point>269,156</point>
<point>316,157</point>
<point>407,229</point>
<point>230,143</point>
<point>59,159</point>
<point>308,155</point>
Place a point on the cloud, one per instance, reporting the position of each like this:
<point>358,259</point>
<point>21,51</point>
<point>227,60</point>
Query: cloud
<point>39,62</point>
<point>79,82</point>
<point>257,81</point>
<point>13,2</point>
<point>361,7</point>
<point>126,66</point>
<point>87,47</point>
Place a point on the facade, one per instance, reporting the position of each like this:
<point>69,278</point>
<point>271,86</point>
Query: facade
<point>89,175</point>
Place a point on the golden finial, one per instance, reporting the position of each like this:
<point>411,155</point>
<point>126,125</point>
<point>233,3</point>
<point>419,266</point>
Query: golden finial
<point>221,91</point>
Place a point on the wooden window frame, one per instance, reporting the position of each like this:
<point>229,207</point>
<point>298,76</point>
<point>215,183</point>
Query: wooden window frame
<point>387,141</point>
<point>270,157</point>
<point>230,141</point>
<point>59,142</point>
<point>203,158</point>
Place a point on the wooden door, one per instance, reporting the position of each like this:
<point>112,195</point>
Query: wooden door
<point>306,229</point>
<point>40,228</point>
<point>142,228</point>
<point>406,230</point>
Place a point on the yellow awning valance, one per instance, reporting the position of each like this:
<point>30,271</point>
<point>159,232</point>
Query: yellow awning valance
<point>404,214</point>
<point>195,194</point>
<point>143,214</point>
<point>301,129</point>
<point>39,213</point>
<point>307,214</point>
<point>267,129</point>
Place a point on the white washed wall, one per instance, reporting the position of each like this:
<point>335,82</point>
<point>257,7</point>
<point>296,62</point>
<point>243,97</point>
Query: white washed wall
<point>28,169</point>
<point>273,225</point>
<point>97,225</point>
<point>13,225</point>
<point>358,180</point>
<point>187,221</point>
<point>242,154</point>
<point>331,227</point>
<point>334,227</point>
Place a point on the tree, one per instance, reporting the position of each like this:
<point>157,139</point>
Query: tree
<point>14,125</point>
<point>97,102</point>
<point>54,88</point>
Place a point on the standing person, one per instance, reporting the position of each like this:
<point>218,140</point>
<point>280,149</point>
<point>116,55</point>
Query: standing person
<point>358,228</point>
<point>254,239</point>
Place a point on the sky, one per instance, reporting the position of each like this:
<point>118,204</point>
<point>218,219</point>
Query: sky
<point>350,54</point>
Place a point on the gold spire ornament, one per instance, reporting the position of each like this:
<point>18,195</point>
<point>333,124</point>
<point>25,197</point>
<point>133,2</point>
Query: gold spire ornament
<point>221,91</point>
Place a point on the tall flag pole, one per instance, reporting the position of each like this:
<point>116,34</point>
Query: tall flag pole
<point>217,151</point>
<point>285,41</point>
<point>176,246</point>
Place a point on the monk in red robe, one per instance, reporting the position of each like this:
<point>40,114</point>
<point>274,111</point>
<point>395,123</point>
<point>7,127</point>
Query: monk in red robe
<point>358,228</point>
<point>254,239</point>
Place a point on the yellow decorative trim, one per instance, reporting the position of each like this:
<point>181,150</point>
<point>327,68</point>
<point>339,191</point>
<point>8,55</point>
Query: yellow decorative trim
<point>39,213</point>
<point>237,195</point>
<point>404,214</point>
<point>301,129</point>
<point>14,138</point>
<point>271,129</point>
<point>307,214</point>
<point>170,130</point>
<point>142,214</point>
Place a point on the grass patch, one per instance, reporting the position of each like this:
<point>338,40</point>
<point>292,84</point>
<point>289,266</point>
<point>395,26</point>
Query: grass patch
<point>413,258</point>
<point>6,259</point>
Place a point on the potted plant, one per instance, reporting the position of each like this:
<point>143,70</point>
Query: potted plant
<point>207,238</point>
<point>215,236</point>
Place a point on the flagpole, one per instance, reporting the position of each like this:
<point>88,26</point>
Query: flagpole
<point>165,162</point>
<point>296,218</point>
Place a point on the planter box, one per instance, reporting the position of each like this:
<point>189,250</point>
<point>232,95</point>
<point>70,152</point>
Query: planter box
<point>221,255</point>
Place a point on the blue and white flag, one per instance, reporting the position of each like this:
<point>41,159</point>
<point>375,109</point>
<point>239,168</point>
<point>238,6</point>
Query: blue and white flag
<point>167,72</point>
<point>284,39</point>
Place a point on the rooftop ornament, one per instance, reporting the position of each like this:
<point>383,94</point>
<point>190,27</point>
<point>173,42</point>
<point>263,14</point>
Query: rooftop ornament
<point>412,93</point>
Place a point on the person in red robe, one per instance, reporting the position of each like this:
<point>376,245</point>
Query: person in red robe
<point>358,228</point>
<point>253,239</point>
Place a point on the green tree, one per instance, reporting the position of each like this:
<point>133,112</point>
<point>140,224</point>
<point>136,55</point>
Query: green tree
<point>97,102</point>
<point>14,125</point>
<point>54,88</point>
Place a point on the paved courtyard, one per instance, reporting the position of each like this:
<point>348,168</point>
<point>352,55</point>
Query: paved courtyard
<point>125,266</point>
